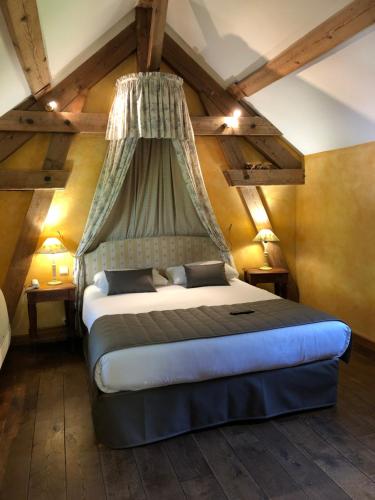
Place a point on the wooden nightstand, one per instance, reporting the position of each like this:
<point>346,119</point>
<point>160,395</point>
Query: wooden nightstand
<point>277,275</point>
<point>48,293</point>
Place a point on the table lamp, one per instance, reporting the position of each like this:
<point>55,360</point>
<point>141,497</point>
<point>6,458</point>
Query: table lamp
<point>266,235</point>
<point>52,246</point>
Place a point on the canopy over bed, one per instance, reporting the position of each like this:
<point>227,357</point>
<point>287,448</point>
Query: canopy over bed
<point>151,182</point>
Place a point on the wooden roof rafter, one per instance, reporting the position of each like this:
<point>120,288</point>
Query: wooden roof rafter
<point>335,30</point>
<point>272,148</point>
<point>81,79</point>
<point>22,19</point>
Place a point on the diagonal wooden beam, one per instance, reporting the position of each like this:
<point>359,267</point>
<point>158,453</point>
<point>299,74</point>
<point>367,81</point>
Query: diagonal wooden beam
<point>35,217</point>
<point>22,19</point>
<point>343,25</point>
<point>184,65</point>
<point>143,16</point>
<point>96,123</point>
<point>250,195</point>
<point>84,77</point>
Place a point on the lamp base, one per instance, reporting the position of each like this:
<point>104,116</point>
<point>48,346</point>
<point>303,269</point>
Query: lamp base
<point>54,282</point>
<point>265,268</point>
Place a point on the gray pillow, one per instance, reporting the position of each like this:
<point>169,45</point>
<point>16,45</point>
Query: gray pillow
<point>205,275</point>
<point>134,281</point>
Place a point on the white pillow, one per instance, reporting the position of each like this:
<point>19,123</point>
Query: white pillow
<point>101,282</point>
<point>176,274</point>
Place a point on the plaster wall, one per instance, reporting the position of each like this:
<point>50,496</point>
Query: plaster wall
<point>336,235</point>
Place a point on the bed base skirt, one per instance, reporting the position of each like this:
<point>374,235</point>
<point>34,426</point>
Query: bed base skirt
<point>133,418</point>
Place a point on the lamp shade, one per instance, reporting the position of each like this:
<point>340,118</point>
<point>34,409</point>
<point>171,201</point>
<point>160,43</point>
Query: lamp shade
<point>266,235</point>
<point>52,246</point>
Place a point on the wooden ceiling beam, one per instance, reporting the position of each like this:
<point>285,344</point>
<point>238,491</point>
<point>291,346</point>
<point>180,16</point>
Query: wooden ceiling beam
<point>43,121</point>
<point>271,148</point>
<point>265,177</point>
<point>26,180</point>
<point>343,25</point>
<point>80,80</point>
<point>22,19</point>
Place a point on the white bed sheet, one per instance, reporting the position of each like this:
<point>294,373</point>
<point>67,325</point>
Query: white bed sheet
<point>150,366</point>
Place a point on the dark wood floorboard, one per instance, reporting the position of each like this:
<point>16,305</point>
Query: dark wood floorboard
<point>48,448</point>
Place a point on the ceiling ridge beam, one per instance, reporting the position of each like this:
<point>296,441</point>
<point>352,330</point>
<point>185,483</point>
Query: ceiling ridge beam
<point>22,19</point>
<point>338,28</point>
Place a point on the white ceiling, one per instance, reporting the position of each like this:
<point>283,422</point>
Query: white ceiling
<point>329,104</point>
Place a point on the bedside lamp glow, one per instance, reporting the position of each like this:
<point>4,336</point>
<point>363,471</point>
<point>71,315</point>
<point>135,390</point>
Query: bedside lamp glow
<point>52,246</point>
<point>264,236</point>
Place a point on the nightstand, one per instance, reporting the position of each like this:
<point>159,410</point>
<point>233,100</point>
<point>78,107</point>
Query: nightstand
<point>277,275</point>
<point>48,293</point>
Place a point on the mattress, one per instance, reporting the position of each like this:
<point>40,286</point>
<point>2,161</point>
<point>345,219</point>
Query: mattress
<point>159,365</point>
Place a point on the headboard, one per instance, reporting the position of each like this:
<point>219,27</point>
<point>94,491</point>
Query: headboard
<point>159,252</point>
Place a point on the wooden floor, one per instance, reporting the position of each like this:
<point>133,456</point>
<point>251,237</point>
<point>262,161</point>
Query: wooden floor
<point>48,449</point>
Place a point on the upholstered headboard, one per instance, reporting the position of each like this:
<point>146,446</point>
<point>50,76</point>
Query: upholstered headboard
<point>159,252</point>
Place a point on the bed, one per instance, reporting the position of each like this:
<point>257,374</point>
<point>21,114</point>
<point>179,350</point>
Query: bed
<point>150,392</point>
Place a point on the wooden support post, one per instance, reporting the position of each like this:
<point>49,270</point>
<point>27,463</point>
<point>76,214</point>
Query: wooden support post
<point>158,21</point>
<point>150,17</point>
<point>143,15</point>
<point>35,217</point>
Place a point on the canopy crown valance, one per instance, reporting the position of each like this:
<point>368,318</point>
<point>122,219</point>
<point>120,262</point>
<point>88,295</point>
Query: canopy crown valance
<point>149,105</point>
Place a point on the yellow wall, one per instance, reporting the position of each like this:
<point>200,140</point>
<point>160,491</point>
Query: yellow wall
<point>70,207</point>
<point>336,235</point>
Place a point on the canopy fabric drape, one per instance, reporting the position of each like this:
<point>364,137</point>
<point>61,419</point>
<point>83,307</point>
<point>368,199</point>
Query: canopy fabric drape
<point>152,106</point>
<point>154,199</point>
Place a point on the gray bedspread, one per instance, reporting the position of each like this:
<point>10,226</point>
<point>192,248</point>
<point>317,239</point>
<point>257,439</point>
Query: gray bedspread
<point>121,331</point>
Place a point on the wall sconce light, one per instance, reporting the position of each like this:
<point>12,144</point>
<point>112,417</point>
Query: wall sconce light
<point>51,106</point>
<point>232,121</point>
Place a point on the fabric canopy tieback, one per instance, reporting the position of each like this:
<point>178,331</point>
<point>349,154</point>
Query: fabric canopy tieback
<point>148,106</point>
